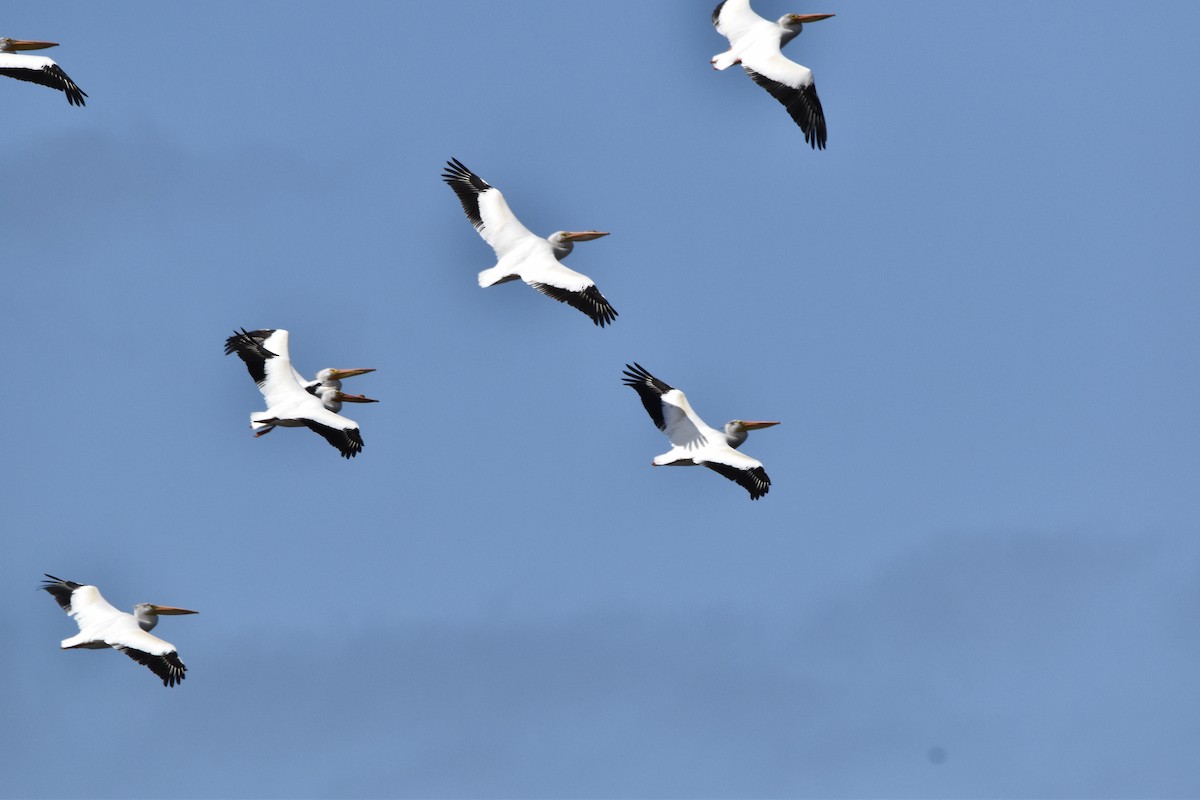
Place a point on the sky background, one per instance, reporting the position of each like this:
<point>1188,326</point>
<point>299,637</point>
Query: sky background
<point>977,573</point>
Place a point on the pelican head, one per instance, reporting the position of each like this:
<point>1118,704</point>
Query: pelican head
<point>339,374</point>
<point>147,613</point>
<point>737,430</point>
<point>563,242</point>
<point>332,397</point>
<point>792,24</point>
<point>13,45</point>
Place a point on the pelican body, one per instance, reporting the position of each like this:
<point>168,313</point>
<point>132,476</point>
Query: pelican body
<point>756,44</point>
<point>101,625</point>
<point>520,253</point>
<point>693,442</point>
<point>292,400</point>
<point>37,69</point>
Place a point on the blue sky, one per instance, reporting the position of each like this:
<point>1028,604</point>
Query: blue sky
<point>975,315</point>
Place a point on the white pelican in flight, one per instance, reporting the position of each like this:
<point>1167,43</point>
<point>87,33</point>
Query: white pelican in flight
<point>520,253</point>
<point>755,43</point>
<point>37,69</point>
<point>293,401</point>
<point>101,625</point>
<point>693,442</point>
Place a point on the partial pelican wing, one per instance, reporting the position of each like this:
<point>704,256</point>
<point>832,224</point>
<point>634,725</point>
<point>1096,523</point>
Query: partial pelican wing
<point>265,353</point>
<point>566,285</point>
<point>745,471</point>
<point>147,649</point>
<point>486,208</point>
<point>251,348</point>
<point>166,666</point>
<point>43,71</point>
<point>348,441</point>
<point>339,431</point>
<point>83,603</point>
<point>792,85</point>
<point>668,407</point>
<point>733,18</point>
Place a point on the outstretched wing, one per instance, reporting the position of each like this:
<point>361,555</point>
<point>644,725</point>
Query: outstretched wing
<point>668,407</point>
<point>339,431</point>
<point>47,74</point>
<point>486,208</point>
<point>792,85</point>
<point>251,348</point>
<point>566,285</point>
<point>742,470</point>
<point>732,18</point>
<point>84,603</point>
<point>149,650</point>
<point>269,363</point>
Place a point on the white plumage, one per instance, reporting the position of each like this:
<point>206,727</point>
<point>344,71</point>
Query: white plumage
<point>520,253</point>
<point>101,625</point>
<point>293,401</point>
<point>756,44</point>
<point>37,69</point>
<point>694,442</point>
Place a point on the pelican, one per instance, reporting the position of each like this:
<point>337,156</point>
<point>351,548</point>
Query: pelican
<point>37,69</point>
<point>694,443</point>
<point>293,401</point>
<point>755,43</point>
<point>101,625</point>
<point>520,253</point>
<point>325,380</point>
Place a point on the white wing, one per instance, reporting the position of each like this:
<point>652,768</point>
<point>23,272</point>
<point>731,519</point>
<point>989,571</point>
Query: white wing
<point>341,432</point>
<point>684,428</point>
<point>545,273</point>
<point>778,68</point>
<point>265,353</point>
<point>792,85</point>
<point>669,409</point>
<point>149,650</point>
<point>129,634</point>
<point>41,70</point>
<point>90,610</point>
<point>738,467</point>
<point>501,228</point>
<point>733,18</point>
<point>486,208</point>
<point>280,385</point>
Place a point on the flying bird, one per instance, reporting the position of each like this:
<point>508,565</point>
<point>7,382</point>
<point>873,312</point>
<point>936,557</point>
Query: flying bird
<point>755,43</point>
<point>520,253</point>
<point>101,625</point>
<point>37,69</point>
<point>693,442</point>
<point>292,400</point>
<point>320,386</point>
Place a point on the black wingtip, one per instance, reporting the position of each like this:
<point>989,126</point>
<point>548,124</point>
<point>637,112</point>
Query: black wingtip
<point>468,186</point>
<point>60,590</point>
<point>754,480</point>
<point>802,104</point>
<point>589,301</point>
<point>650,390</point>
<point>717,12</point>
